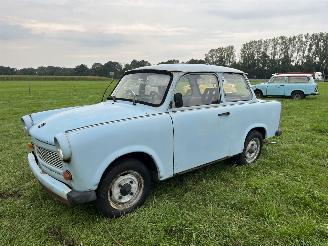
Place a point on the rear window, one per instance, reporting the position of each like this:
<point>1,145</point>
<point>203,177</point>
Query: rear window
<point>298,79</point>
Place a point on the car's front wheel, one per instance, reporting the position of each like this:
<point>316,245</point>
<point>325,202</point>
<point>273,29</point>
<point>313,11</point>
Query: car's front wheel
<point>252,148</point>
<point>258,94</point>
<point>123,188</point>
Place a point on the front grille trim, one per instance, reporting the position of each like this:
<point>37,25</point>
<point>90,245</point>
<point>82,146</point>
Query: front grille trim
<point>49,157</point>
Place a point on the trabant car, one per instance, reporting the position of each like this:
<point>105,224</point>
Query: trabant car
<point>296,86</point>
<point>158,122</point>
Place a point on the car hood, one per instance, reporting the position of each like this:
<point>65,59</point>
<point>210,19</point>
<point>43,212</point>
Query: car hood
<point>46,129</point>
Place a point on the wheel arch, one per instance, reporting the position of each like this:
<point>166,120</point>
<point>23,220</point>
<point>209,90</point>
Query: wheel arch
<point>150,159</point>
<point>145,158</point>
<point>297,90</point>
<point>261,128</point>
<point>258,89</point>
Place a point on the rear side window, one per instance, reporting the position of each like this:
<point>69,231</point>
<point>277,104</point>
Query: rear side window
<point>235,88</point>
<point>298,79</point>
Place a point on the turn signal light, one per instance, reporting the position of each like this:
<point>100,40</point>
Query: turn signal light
<point>67,175</point>
<point>29,146</point>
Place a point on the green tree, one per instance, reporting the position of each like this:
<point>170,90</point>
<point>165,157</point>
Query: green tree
<point>26,71</point>
<point>112,69</point>
<point>222,56</point>
<point>81,70</point>
<point>196,61</point>
<point>172,61</point>
<point>136,64</point>
<point>7,70</point>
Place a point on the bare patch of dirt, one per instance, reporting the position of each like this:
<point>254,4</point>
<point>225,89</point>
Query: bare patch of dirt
<point>5,195</point>
<point>57,234</point>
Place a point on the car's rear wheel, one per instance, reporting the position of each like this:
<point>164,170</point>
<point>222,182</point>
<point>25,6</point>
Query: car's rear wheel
<point>258,94</point>
<point>252,148</point>
<point>297,95</point>
<point>123,188</point>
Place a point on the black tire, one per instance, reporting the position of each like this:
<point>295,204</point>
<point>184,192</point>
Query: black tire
<point>124,188</point>
<point>297,95</point>
<point>258,94</point>
<point>249,154</point>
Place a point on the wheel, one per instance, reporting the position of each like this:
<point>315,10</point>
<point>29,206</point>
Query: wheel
<point>297,95</point>
<point>123,188</point>
<point>258,94</point>
<point>252,148</point>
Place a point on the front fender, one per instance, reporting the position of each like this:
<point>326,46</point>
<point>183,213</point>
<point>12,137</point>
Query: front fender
<point>107,162</point>
<point>96,147</point>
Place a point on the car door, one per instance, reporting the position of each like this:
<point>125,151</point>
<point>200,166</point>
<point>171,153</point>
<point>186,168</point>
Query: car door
<point>200,125</point>
<point>276,87</point>
<point>296,83</point>
<point>242,114</point>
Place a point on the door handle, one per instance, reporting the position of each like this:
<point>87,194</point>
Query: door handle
<point>282,85</point>
<point>224,114</point>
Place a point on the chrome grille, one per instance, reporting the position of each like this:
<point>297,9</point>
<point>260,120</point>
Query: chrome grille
<point>49,157</point>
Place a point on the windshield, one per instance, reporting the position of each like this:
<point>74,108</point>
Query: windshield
<point>143,87</point>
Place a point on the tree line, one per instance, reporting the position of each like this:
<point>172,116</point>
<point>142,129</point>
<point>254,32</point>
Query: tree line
<point>259,58</point>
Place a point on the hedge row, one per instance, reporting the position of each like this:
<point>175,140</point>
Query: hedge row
<point>61,78</point>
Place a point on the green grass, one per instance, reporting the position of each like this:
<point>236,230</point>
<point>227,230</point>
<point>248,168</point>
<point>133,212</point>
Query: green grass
<point>282,199</point>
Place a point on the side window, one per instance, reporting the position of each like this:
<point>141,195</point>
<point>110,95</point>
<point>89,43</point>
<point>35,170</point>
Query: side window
<point>235,88</point>
<point>278,80</point>
<point>184,87</point>
<point>198,89</point>
<point>298,79</point>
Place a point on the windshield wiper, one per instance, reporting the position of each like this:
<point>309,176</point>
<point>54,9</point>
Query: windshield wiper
<point>112,98</point>
<point>134,97</point>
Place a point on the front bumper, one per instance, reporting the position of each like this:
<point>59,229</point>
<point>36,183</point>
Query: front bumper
<point>315,93</point>
<point>57,188</point>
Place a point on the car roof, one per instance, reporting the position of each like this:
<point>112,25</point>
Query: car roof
<point>191,68</point>
<point>292,74</point>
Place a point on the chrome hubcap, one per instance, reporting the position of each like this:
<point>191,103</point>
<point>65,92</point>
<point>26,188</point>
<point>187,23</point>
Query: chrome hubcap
<point>252,150</point>
<point>125,190</point>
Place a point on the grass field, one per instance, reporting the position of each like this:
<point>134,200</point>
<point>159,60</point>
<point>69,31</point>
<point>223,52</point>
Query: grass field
<point>282,199</point>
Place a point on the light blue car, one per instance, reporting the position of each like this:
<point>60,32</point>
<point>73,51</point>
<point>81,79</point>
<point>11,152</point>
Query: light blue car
<point>159,121</point>
<point>297,86</point>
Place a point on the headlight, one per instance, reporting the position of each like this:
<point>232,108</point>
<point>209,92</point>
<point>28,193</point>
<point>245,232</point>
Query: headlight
<point>63,147</point>
<point>27,123</point>
<point>59,151</point>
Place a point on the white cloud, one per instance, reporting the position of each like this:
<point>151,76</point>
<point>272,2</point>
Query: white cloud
<point>139,29</point>
<point>38,27</point>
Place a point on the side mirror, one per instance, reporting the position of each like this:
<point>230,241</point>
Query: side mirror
<point>178,100</point>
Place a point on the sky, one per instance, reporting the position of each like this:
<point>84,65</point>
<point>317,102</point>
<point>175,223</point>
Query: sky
<point>71,32</point>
